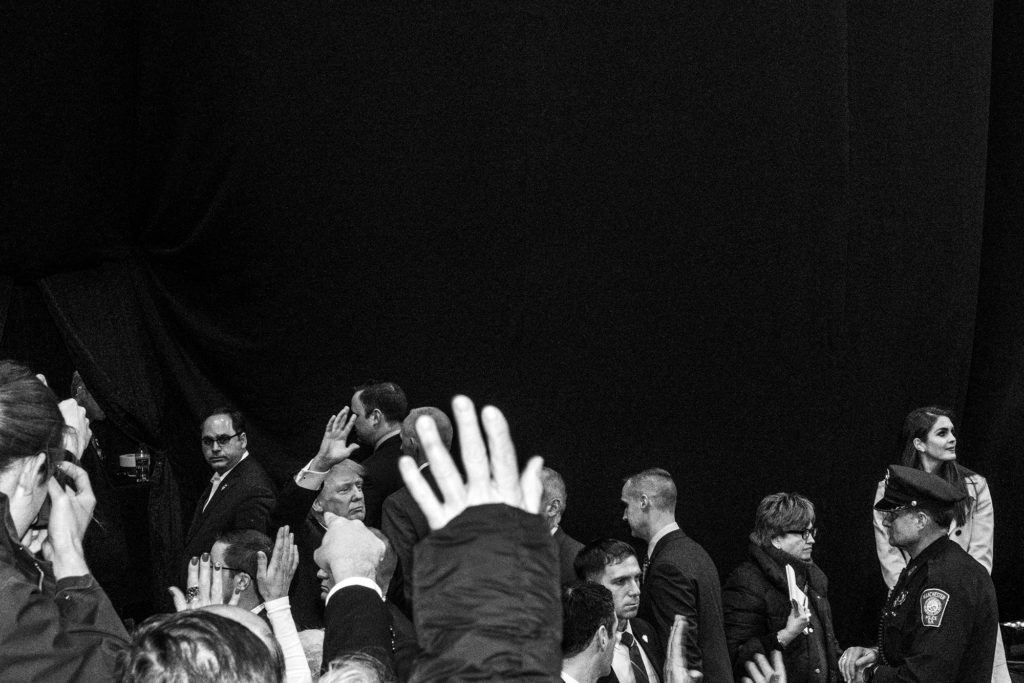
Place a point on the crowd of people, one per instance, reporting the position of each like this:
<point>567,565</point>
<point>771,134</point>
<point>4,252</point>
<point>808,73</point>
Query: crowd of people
<point>380,561</point>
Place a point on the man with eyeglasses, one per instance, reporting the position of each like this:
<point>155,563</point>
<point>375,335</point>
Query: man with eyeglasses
<point>241,495</point>
<point>940,620</point>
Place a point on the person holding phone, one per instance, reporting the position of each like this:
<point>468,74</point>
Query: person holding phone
<point>56,622</point>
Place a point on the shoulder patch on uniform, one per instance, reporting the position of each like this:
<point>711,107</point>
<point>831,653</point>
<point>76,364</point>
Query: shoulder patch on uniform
<point>933,606</point>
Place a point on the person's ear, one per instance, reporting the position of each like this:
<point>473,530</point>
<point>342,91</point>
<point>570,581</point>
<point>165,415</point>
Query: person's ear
<point>553,507</point>
<point>32,472</point>
<point>243,441</point>
<point>602,637</point>
<point>242,581</point>
<point>644,502</point>
<point>919,445</point>
<point>776,542</point>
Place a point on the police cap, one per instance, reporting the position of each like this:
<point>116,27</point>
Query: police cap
<point>911,487</point>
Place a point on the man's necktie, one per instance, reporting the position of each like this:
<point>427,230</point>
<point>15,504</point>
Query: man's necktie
<point>635,658</point>
<point>643,569</point>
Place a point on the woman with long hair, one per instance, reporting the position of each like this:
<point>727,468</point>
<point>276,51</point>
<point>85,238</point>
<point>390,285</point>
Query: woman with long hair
<point>928,442</point>
<point>55,621</point>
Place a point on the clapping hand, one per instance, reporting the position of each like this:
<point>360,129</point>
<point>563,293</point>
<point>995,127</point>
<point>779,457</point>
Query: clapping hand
<point>488,480</point>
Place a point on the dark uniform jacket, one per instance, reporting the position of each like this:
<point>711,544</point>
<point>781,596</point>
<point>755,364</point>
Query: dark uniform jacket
<point>381,477</point>
<point>646,639</point>
<point>756,604</point>
<point>939,624</point>
<point>568,547</point>
<point>51,630</point>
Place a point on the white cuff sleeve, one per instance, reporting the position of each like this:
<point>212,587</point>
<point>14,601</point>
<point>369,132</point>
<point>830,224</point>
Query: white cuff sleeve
<point>354,581</point>
<point>308,478</point>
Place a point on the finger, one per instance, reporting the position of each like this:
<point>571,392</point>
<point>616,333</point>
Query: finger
<point>236,595</point>
<point>261,565</point>
<point>330,424</point>
<point>180,605</point>
<point>532,485</point>
<point>79,477</point>
<point>421,492</point>
<point>204,578</point>
<point>474,453</point>
<point>217,585</point>
<point>778,665</point>
<point>447,476</point>
<point>504,466</point>
<point>193,573</point>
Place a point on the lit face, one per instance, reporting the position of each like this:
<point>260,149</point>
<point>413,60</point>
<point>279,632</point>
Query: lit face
<point>940,444</point>
<point>363,427</point>
<point>633,514</point>
<point>904,527</point>
<point>623,580</point>
<point>222,457</point>
<point>227,575</point>
<point>342,493</point>
<point>794,544</point>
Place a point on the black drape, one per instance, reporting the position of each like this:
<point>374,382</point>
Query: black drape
<point>739,241</point>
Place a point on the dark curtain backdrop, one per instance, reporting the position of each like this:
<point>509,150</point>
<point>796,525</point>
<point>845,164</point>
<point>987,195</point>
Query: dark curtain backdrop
<point>737,240</point>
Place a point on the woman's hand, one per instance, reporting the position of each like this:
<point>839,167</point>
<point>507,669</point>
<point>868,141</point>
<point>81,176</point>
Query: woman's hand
<point>70,512</point>
<point>205,586</point>
<point>855,660</point>
<point>797,621</point>
<point>273,578</point>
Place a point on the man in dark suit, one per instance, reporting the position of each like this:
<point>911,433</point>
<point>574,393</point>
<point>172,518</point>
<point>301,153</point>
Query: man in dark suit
<point>552,507</point>
<point>402,520</point>
<point>678,575</point>
<point>614,565</point>
<point>240,496</point>
<point>379,409</point>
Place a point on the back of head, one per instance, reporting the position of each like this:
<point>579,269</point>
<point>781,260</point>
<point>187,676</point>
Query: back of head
<point>357,667</point>
<point>242,547</point>
<point>409,435</point>
<point>585,608</point>
<point>197,646</point>
<point>778,513</point>
<point>30,421</point>
<point>387,397</point>
<point>657,484</point>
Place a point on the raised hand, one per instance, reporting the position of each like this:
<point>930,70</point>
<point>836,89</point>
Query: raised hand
<point>675,660</point>
<point>71,510</point>
<point>274,578</point>
<point>762,672</point>
<point>493,479</point>
<point>205,586</point>
<point>333,447</point>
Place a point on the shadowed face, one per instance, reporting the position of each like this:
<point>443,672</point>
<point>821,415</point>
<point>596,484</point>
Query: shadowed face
<point>222,446</point>
<point>623,580</point>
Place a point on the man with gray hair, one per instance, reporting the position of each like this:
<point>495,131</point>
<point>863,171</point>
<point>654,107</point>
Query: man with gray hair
<point>552,506</point>
<point>678,575</point>
<point>402,521</point>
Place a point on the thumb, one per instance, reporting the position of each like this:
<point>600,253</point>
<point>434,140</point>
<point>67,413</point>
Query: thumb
<point>179,599</point>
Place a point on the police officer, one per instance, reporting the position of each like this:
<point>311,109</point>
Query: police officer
<point>940,619</point>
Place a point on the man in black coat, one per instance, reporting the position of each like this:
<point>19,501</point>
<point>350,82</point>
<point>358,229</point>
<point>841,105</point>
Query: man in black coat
<point>241,495</point>
<point>940,620</point>
<point>614,565</point>
<point>552,507</point>
<point>678,575</point>
<point>379,409</point>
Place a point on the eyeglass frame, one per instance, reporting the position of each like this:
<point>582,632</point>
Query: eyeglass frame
<point>807,534</point>
<point>221,440</point>
<point>891,515</point>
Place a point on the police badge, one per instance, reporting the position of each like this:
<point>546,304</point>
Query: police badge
<point>933,606</point>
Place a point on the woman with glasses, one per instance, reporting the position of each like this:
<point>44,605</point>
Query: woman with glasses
<point>55,621</point>
<point>760,615</point>
<point>928,442</point>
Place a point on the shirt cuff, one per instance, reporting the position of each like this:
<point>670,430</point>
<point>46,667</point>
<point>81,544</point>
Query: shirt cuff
<point>277,605</point>
<point>309,478</point>
<point>354,581</point>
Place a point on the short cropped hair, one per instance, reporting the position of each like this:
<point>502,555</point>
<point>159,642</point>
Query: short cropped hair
<point>586,607</point>
<point>778,513</point>
<point>554,486</point>
<point>387,397</point>
<point>237,418</point>
<point>658,486</point>
<point>197,647</point>
<point>595,556</point>
<point>444,425</point>
<point>242,546</point>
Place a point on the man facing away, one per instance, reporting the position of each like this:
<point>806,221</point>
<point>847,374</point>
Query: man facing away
<point>614,565</point>
<point>678,575</point>
<point>589,626</point>
<point>379,409</point>
<point>552,507</point>
<point>241,495</point>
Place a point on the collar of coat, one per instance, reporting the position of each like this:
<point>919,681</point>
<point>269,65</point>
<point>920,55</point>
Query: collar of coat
<point>773,561</point>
